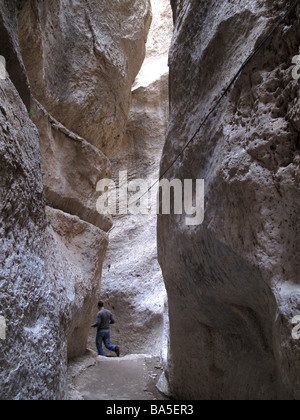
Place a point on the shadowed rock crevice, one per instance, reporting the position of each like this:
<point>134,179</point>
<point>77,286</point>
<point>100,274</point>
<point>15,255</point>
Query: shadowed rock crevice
<point>132,283</point>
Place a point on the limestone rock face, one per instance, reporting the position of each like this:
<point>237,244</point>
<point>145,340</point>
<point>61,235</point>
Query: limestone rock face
<point>51,258</point>
<point>32,295</point>
<point>233,282</point>
<point>81,61</point>
<point>132,283</point>
<point>10,49</point>
<point>71,168</point>
<point>83,247</point>
<point>82,58</point>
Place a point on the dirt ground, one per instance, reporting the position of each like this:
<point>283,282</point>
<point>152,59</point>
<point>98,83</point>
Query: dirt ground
<point>132,377</point>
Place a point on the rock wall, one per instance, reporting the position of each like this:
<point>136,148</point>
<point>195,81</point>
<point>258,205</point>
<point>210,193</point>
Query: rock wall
<point>32,296</point>
<point>132,283</point>
<point>233,282</point>
<point>82,58</point>
<point>80,73</point>
<point>10,49</point>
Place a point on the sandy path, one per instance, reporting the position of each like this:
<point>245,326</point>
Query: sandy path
<point>132,377</point>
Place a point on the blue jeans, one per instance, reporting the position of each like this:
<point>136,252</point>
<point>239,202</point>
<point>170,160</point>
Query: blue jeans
<point>104,336</point>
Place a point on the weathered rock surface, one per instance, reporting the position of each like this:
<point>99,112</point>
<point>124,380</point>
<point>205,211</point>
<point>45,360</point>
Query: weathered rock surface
<point>10,49</point>
<point>132,283</point>
<point>81,61</point>
<point>82,247</point>
<point>82,58</point>
<point>32,293</point>
<point>233,282</point>
<point>71,168</point>
<point>51,258</point>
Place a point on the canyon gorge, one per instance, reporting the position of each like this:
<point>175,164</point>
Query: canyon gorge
<point>95,88</point>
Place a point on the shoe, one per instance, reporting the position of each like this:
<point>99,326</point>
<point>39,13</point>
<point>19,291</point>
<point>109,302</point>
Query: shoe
<point>117,350</point>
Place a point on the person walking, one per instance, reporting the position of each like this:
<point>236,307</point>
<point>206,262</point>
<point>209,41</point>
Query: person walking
<point>104,320</point>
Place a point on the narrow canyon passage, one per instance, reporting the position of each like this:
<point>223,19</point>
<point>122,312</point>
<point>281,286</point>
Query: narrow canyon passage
<point>132,285</point>
<point>73,66</point>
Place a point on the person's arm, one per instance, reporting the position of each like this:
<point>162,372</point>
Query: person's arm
<point>98,321</point>
<point>112,321</point>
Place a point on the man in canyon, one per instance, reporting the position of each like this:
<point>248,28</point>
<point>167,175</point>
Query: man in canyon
<point>104,320</point>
